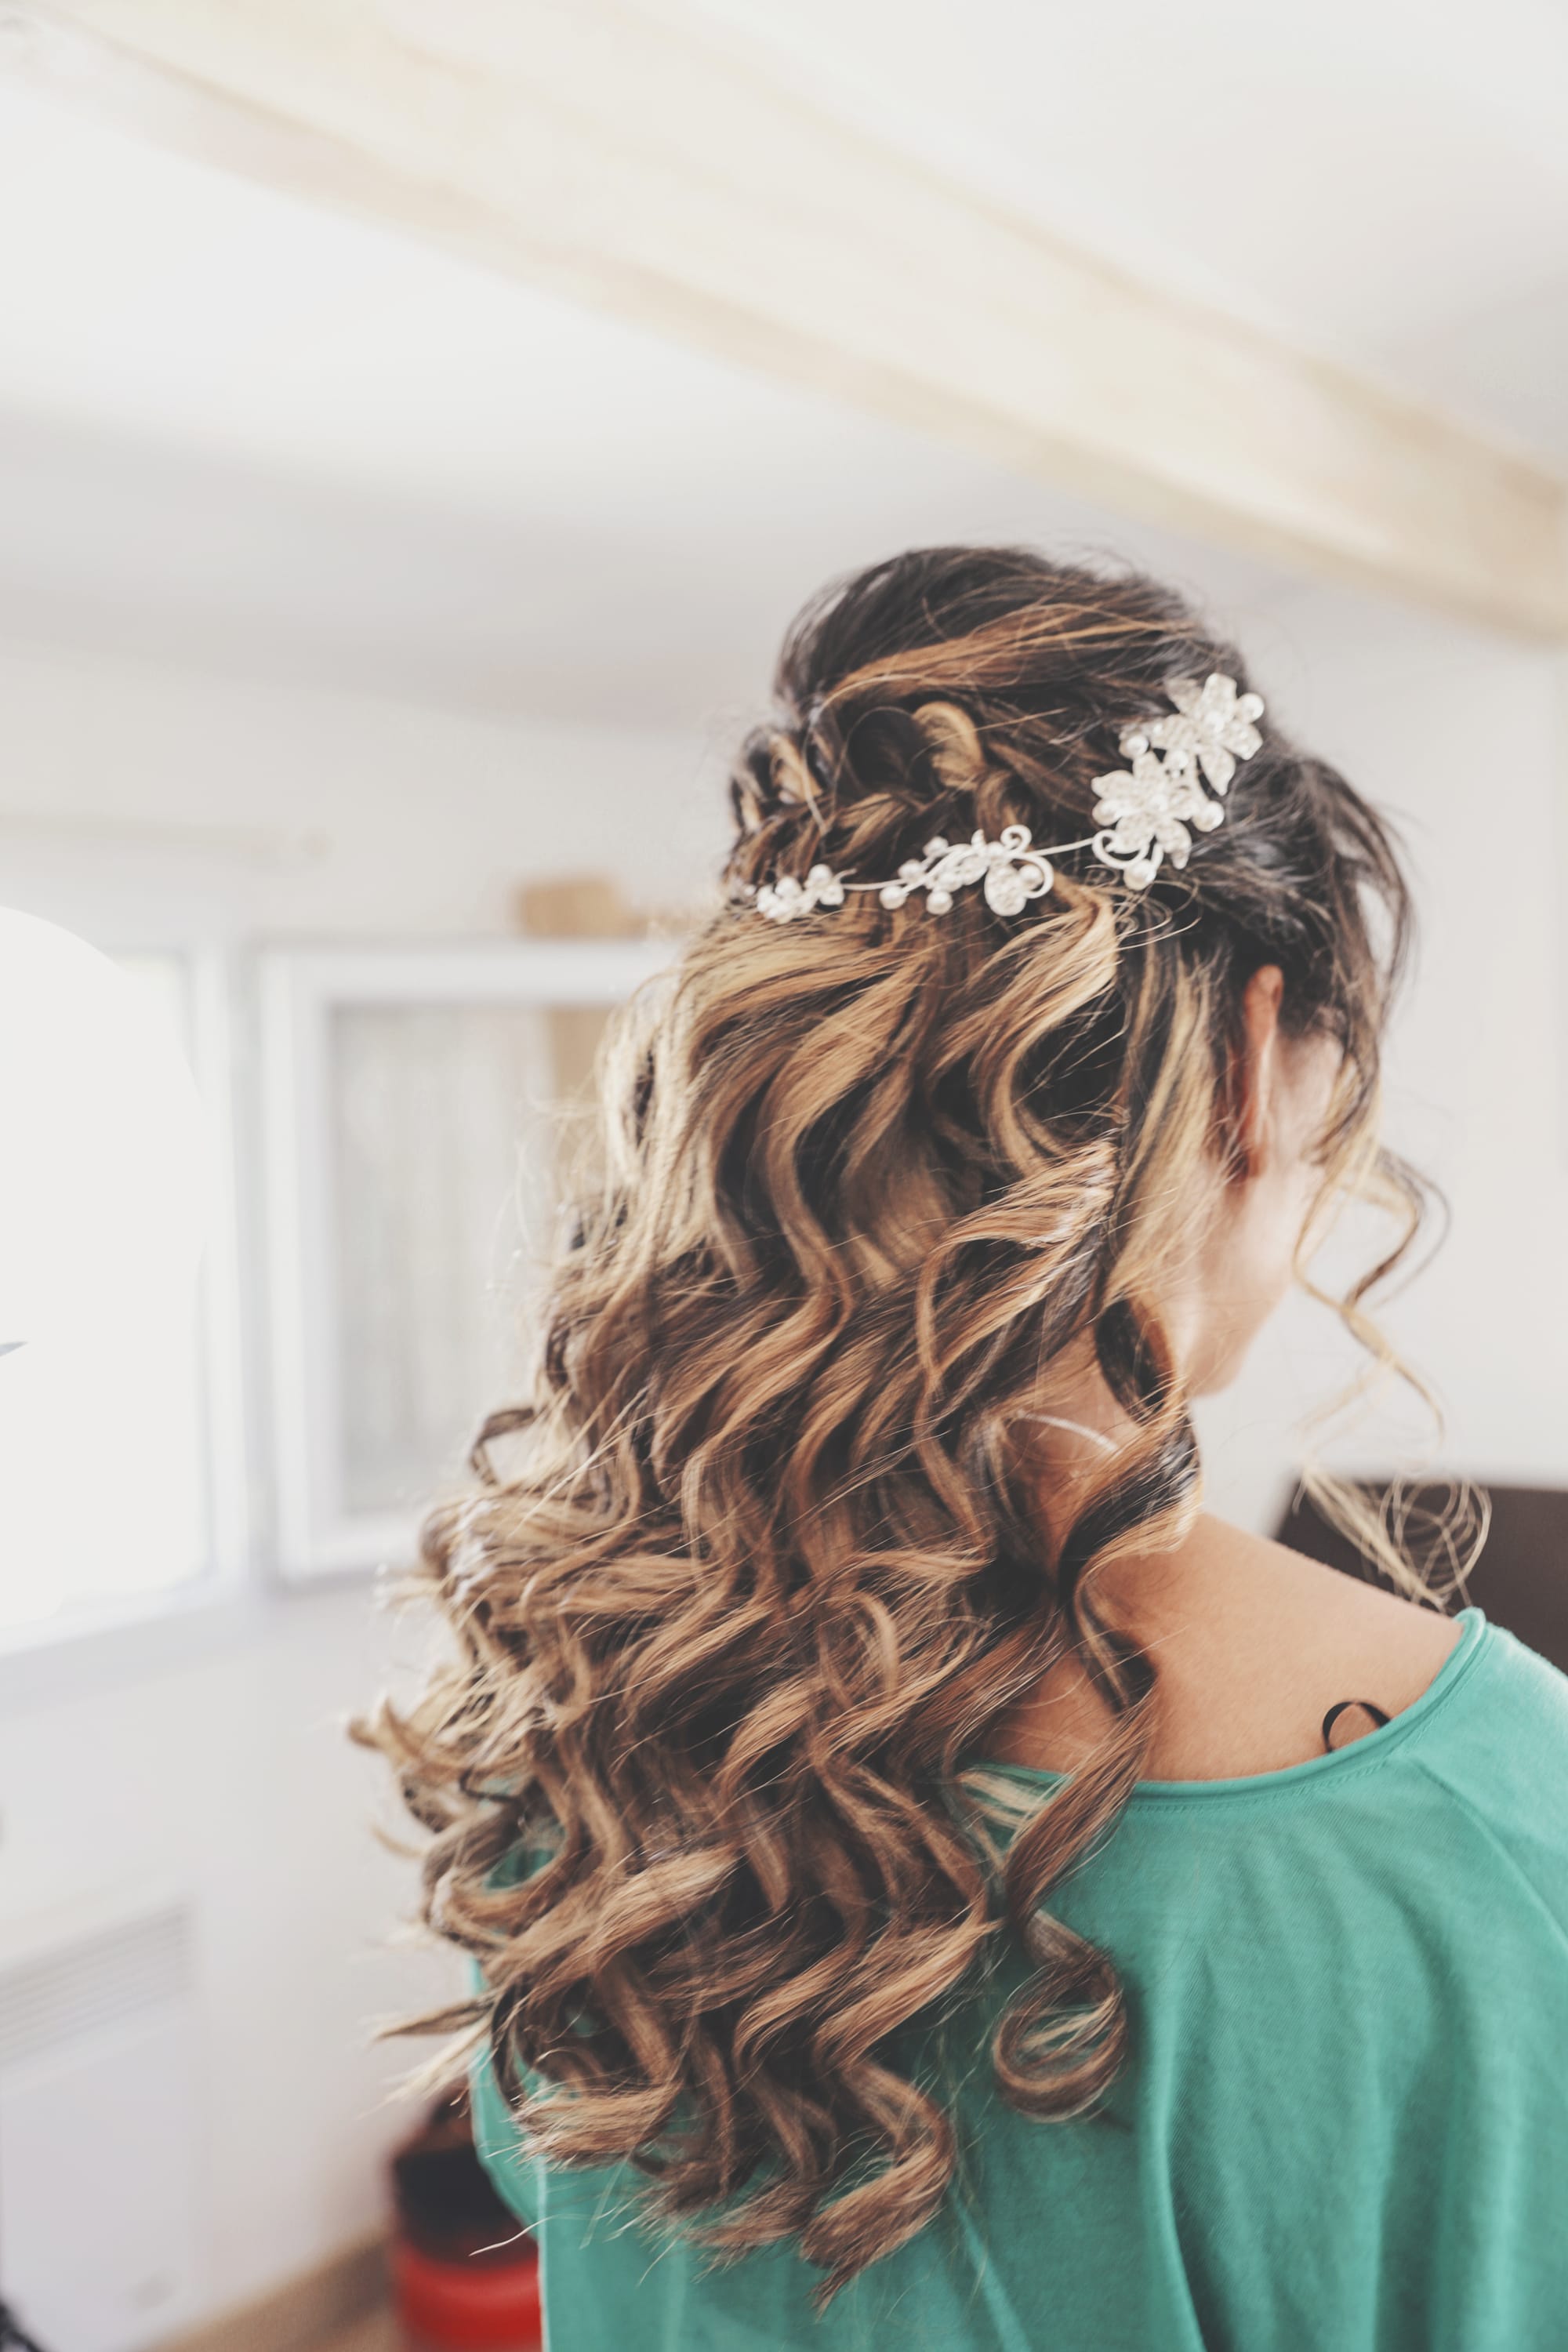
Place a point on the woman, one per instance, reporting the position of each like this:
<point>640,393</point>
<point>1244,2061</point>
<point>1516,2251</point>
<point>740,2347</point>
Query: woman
<point>928,1884</point>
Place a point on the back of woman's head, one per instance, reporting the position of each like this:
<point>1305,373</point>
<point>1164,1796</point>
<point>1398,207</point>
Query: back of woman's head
<point>774,1560</point>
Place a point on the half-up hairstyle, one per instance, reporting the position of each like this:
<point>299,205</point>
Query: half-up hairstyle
<point>764,1562</point>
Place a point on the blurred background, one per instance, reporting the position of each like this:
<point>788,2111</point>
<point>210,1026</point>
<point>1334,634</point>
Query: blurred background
<point>419,420</point>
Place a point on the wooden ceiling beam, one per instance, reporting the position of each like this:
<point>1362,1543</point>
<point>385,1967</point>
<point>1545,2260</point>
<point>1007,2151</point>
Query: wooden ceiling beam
<point>622,155</point>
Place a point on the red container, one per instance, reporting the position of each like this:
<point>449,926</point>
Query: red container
<point>465,2275</point>
<point>473,2303</point>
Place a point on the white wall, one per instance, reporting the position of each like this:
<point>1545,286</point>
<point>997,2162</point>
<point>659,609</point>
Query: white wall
<point>1459,735</point>
<point>226,1778</point>
<point>252,809</point>
<point>225,1770</point>
<point>213,1762</point>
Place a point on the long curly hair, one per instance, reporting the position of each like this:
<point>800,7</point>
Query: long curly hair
<point>765,1560</point>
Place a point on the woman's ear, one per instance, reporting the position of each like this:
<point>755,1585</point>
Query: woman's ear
<point>1258,1076</point>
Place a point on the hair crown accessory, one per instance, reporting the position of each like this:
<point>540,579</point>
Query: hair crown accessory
<point>1180,769</point>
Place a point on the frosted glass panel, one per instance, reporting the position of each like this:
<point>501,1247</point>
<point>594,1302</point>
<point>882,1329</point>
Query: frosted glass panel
<point>442,1149</point>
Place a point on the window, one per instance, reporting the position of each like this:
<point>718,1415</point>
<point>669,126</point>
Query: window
<point>411,1171</point>
<point>107,1177</point>
<point>408,1175</point>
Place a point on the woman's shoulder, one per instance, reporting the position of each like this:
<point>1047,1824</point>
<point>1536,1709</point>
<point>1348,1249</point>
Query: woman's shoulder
<point>1492,1697</point>
<point>1481,1709</point>
<point>1256,1646</point>
<point>1502,1744</point>
<point>1481,1787</point>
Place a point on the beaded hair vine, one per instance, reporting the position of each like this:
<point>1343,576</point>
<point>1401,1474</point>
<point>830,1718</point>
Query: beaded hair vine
<point>1144,810</point>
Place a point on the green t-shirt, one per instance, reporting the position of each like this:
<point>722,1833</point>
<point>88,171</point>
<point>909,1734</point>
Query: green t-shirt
<point>1344,2125</point>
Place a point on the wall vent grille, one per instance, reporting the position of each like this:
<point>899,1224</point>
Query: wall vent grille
<point>52,1998</point>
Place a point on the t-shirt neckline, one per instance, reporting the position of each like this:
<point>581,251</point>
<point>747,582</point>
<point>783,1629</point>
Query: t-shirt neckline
<point>1474,1640</point>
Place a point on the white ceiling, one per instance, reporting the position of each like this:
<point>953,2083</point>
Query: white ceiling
<point>245,432</point>
<point>1385,181</point>
<point>256,433</point>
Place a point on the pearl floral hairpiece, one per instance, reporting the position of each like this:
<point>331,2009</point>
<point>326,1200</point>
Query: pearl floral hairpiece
<point>1144,809</point>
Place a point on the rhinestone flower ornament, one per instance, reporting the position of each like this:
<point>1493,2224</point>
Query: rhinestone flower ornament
<point>1179,769</point>
<point>1148,811</point>
<point>1150,806</point>
<point>1211,724</point>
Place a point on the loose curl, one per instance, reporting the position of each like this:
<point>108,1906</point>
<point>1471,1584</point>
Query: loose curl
<point>772,1564</point>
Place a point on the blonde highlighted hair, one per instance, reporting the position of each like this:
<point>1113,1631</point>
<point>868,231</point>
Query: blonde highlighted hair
<point>771,1567</point>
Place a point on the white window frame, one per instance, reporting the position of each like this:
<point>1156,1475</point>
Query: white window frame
<point>316,1535</point>
<point>218,1060</point>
